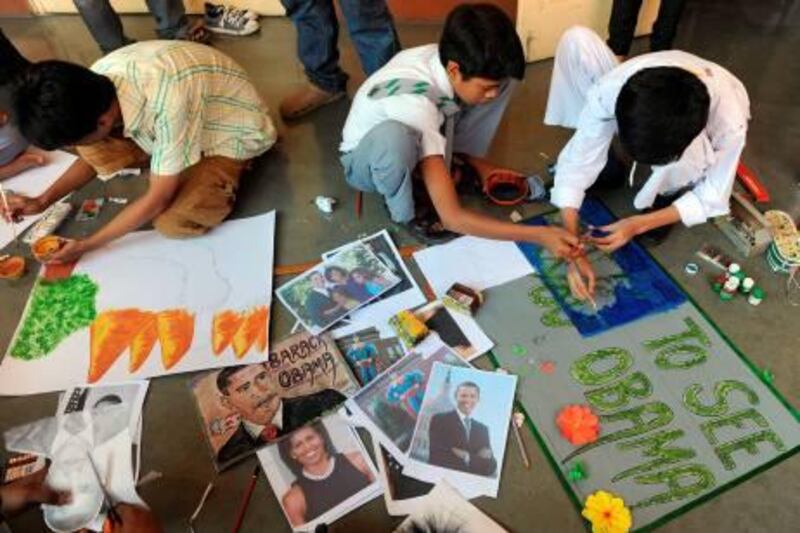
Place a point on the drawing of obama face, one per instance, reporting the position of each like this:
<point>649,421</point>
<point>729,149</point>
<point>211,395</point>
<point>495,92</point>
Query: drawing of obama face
<point>245,390</point>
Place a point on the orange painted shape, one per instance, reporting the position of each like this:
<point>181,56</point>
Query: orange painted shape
<point>110,334</point>
<point>142,344</point>
<point>263,334</point>
<point>175,334</point>
<point>223,328</point>
<point>249,331</point>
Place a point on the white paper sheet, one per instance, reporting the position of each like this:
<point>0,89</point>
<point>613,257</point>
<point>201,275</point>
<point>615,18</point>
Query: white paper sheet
<point>475,262</point>
<point>33,182</point>
<point>447,508</point>
<point>228,269</point>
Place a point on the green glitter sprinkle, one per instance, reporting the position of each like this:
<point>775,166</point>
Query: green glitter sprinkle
<point>57,309</point>
<point>519,350</point>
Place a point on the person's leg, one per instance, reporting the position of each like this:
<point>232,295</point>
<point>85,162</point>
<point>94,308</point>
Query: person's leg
<point>317,49</point>
<point>476,125</point>
<point>103,23</point>
<point>205,198</point>
<point>666,25</point>
<point>622,25</point>
<point>384,162</point>
<point>111,155</point>
<point>581,59</point>
<point>372,30</point>
<point>170,15</point>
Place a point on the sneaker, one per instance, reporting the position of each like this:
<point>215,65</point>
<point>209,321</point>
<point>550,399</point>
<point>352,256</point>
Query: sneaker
<point>216,10</point>
<point>231,23</point>
<point>307,99</point>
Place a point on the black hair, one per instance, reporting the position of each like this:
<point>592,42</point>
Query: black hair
<point>224,377</point>
<point>285,447</point>
<point>340,270</point>
<point>56,104</point>
<point>483,41</point>
<point>659,112</point>
<point>470,384</point>
<point>363,271</point>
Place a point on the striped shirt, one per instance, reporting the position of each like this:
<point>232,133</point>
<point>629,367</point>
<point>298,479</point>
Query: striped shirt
<point>181,101</point>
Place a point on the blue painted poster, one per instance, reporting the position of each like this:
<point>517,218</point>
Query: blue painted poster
<point>630,284</point>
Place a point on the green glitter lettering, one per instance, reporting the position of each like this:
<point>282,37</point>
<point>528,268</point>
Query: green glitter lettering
<point>736,420</point>
<point>748,443</point>
<point>654,446</point>
<point>692,333</point>
<point>619,394</point>
<point>643,418</point>
<point>692,401</point>
<point>668,358</point>
<point>700,480</point>
<point>582,369</point>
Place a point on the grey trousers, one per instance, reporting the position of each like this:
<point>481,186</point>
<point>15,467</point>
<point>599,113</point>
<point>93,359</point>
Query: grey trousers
<point>106,27</point>
<point>385,158</point>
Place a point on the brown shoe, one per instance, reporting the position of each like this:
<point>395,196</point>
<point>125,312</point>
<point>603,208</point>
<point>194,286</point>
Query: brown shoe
<point>306,100</point>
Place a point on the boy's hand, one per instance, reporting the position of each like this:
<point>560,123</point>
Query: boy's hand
<point>69,253</point>
<point>581,278</point>
<point>619,234</point>
<point>27,491</point>
<point>560,242</point>
<point>19,206</point>
<point>134,519</point>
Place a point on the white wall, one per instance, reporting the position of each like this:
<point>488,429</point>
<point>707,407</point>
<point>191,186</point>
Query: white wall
<point>540,23</point>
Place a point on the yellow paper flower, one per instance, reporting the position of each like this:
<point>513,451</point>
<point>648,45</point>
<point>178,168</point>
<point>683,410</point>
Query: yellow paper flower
<point>607,513</point>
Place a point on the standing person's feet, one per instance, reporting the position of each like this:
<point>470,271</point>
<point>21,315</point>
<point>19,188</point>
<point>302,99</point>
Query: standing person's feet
<point>230,21</point>
<point>196,33</point>
<point>307,99</point>
<point>216,10</point>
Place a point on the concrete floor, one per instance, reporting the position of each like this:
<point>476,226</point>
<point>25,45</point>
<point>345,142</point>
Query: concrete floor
<point>757,41</point>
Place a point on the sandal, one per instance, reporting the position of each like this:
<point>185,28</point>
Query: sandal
<point>429,230</point>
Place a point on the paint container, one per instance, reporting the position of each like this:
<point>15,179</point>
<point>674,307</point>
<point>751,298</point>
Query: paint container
<point>731,284</point>
<point>756,296</point>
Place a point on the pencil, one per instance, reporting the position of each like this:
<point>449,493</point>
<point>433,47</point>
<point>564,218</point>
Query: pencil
<point>520,444</point>
<point>246,500</point>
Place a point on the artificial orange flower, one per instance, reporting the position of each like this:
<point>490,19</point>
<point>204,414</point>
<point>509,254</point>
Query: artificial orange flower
<point>578,424</point>
<point>607,513</point>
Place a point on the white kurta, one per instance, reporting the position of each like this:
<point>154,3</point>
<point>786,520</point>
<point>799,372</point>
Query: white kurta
<point>583,94</point>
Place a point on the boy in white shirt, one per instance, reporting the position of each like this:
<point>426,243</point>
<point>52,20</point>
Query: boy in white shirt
<point>461,86</point>
<point>682,115</point>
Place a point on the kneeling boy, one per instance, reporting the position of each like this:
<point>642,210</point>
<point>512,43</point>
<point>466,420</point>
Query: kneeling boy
<point>187,108</point>
<point>683,116</point>
<point>394,125</point>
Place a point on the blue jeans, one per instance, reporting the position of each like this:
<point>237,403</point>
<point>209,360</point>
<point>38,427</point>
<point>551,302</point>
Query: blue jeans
<point>371,28</point>
<point>106,27</point>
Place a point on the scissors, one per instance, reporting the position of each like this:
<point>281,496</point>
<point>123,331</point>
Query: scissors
<point>113,515</point>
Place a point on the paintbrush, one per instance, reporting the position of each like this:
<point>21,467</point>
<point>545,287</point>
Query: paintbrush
<point>246,499</point>
<point>11,222</point>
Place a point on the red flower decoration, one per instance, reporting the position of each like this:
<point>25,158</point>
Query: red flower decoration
<point>578,424</point>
